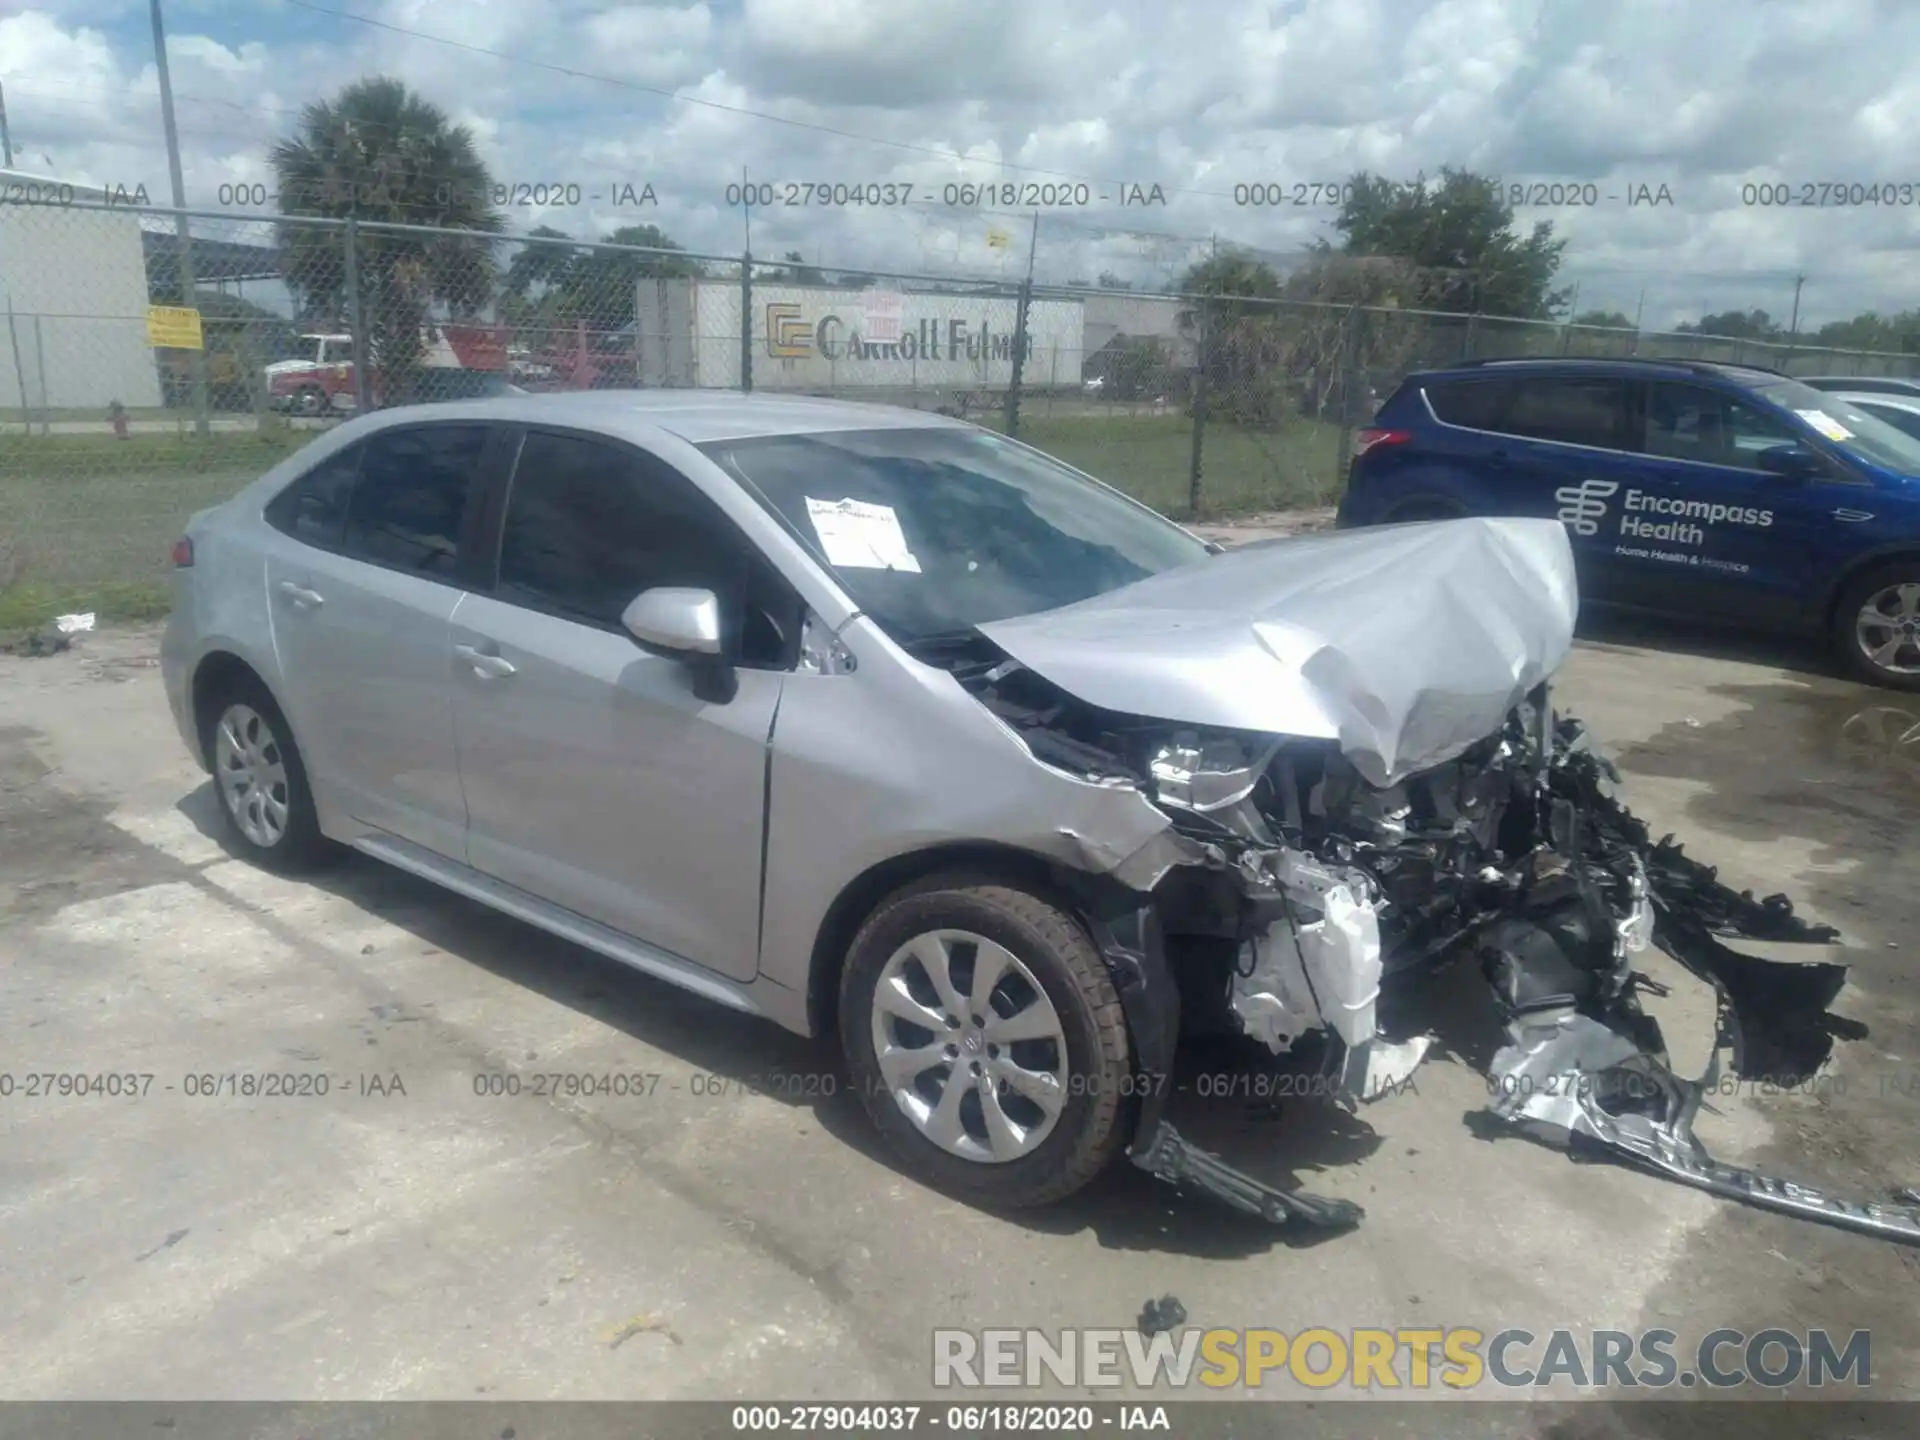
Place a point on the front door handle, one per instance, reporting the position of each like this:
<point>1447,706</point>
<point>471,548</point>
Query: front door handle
<point>301,596</point>
<point>487,667</point>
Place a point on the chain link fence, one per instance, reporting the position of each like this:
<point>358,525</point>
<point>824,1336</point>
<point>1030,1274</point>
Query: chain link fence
<point>120,415</point>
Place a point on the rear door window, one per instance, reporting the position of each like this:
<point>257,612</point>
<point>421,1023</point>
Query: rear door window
<point>1569,410</point>
<point>410,505</point>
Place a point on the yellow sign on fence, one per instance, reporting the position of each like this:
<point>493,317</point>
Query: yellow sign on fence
<point>174,327</point>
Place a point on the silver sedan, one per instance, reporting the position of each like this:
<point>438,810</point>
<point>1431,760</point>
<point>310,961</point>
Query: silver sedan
<point>890,728</point>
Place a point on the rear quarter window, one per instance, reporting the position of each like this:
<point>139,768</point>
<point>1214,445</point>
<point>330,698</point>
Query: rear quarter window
<point>1472,404</point>
<point>313,508</point>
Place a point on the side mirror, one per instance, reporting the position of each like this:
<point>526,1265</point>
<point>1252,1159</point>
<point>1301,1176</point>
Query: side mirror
<point>1790,462</point>
<point>684,623</point>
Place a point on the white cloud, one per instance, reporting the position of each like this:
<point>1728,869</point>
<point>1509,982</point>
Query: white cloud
<point>1196,95</point>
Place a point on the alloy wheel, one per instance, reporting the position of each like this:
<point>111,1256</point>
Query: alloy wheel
<point>970,1046</point>
<point>1888,628</point>
<point>251,770</point>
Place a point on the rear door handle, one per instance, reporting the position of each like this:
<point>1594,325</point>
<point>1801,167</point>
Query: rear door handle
<point>301,596</point>
<point>487,667</point>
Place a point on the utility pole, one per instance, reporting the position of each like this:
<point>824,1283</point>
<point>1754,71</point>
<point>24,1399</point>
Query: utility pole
<point>746,286</point>
<point>1020,331</point>
<point>200,426</point>
<point>6,140</point>
<point>1793,325</point>
<point>1639,314</point>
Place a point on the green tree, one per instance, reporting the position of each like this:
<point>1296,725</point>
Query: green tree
<point>1461,233</point>
<point>1107,280</point>
<point>795,272</point>
<point>1603,319</point>
<point>379,152</point>
<point>1229,276</point>
<point>1734,325</point>
<point>602,286</point>
<point>1894,334</point>
<point>1241,342</point>
<point>1898,333</point>
<point>540,266</point>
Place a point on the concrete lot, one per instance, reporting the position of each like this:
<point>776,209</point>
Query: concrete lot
<point>737,1232</point>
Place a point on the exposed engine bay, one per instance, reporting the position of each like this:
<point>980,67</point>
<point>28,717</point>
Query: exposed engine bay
<point>1298,894</point>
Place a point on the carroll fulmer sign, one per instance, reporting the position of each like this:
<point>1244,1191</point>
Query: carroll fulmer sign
<point>805,337</point>
<point>792,334</point>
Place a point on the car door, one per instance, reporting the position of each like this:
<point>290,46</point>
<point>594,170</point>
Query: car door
<point>1713,531</point>
<point>1559,450</point>
<point>594,776</point>
<point>362,583</point>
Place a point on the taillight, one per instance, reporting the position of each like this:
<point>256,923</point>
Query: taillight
<point>1366,440</point>
<point>182,553</point>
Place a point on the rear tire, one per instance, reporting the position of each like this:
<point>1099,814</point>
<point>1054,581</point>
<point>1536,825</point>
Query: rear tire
<point>1876,625</point>
<point>260,780</point>
<point>956,1099</point>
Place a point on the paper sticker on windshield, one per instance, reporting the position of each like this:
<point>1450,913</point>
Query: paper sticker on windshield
<point>861,535</point>
<point>1825,424</point>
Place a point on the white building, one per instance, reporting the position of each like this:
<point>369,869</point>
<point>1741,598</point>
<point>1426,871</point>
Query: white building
<point>73,299</point>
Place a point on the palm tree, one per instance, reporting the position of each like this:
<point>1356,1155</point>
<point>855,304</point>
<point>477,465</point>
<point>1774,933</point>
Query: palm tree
<point>377,152</point>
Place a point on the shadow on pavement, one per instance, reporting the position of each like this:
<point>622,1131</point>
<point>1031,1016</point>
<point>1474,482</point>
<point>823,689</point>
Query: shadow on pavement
<point>1604,626</point>
<point>1125,1208</point>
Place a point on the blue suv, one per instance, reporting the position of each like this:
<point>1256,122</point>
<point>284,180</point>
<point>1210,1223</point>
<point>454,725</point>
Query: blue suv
<point>1698,489</point>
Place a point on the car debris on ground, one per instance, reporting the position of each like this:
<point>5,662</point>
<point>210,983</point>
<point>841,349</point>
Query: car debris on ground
<point>1355,815</point>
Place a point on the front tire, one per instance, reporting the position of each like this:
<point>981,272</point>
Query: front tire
<point>260,780</point>
<point>1021,1110</point>
<point>1424,509</point>
<point>1876,626</point>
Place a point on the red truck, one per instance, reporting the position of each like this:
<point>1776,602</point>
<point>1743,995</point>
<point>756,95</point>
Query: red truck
<point>320,381</point>
<point>574,357</point>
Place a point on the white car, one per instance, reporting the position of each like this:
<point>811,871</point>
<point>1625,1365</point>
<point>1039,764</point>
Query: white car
<point>1900,411</point>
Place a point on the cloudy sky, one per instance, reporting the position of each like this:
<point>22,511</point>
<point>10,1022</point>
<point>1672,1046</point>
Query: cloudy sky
<point>1719,101</point>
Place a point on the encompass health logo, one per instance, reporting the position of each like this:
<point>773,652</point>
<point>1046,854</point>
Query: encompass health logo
<point>1583,506</point>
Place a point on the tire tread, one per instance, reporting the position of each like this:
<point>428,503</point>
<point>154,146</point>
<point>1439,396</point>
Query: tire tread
<point>1103,1132</point>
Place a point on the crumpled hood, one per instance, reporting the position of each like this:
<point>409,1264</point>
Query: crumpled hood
<point>1406,643</point>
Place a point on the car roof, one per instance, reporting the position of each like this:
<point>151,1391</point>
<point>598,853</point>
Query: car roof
<point>1637,366</point>
<point>1889,398</point>
<point>1866,384</point>
<point>695,416</point>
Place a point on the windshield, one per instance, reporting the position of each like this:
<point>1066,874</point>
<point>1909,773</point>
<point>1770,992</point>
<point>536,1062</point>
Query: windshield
<point>935,531</point>
<point>1848,426</point>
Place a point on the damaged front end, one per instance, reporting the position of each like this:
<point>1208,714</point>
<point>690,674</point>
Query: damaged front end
<point>1292,893</point>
